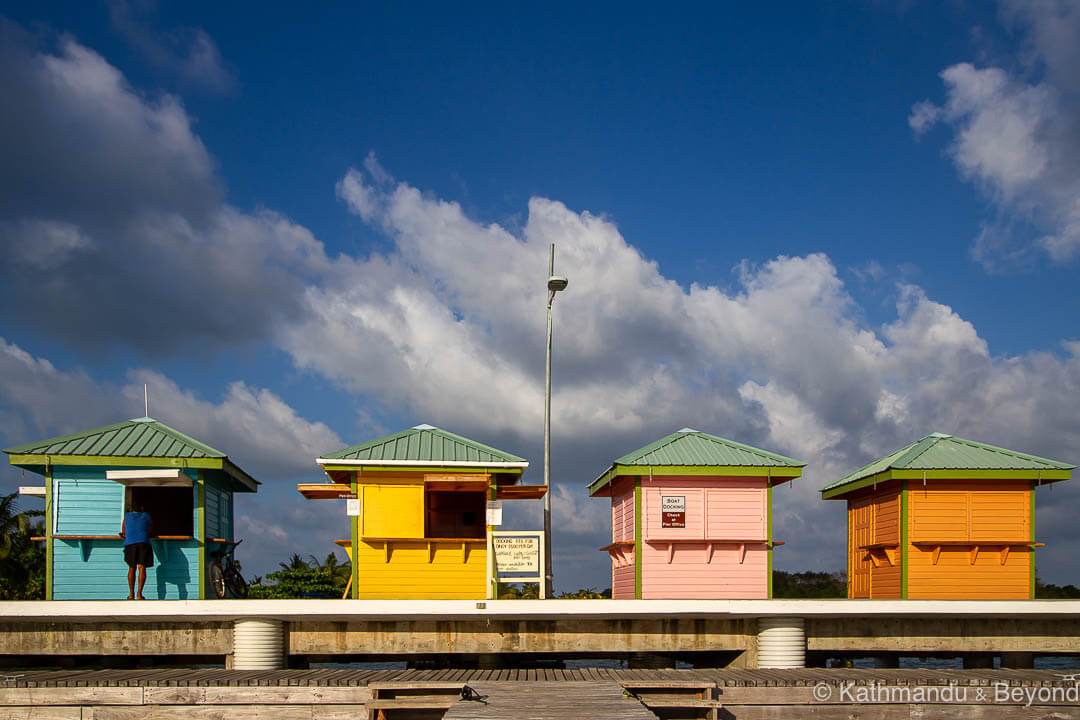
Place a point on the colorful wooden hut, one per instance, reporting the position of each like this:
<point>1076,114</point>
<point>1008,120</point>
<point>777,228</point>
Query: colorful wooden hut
<point>691,517</point>
<point>944,517</point>
<point>419,502</point>
<point>91,477</point>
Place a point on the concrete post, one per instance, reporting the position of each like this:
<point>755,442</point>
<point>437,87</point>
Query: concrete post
<point>781,642</point>
<point>258,644</point>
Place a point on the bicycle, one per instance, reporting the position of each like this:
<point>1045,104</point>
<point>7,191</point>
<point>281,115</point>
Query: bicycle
<point>225,572</point>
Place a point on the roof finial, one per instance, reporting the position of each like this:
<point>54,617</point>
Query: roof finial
<point>146,400</point>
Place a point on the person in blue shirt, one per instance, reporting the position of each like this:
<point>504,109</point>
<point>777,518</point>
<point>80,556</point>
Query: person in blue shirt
<point>138,554</point>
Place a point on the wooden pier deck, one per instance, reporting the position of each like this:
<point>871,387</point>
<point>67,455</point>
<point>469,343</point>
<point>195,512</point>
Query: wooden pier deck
<point>594,693</point>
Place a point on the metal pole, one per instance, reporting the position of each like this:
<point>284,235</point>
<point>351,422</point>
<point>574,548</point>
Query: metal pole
<point>548,584</point>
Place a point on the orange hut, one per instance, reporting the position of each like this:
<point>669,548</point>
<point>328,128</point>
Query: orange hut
<point>418,505</point>
<point>944,517</point>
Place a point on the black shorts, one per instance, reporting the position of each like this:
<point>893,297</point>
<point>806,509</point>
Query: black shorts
<point>139,554</point>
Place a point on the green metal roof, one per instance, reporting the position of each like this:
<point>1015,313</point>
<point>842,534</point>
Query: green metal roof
<point>426,445</point>
<point>139,439</point>
<point>939,451</point>
<point>689,448</point>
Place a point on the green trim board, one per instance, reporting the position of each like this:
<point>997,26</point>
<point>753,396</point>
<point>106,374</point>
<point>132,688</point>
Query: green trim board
<point>904,534</point>
<point>38,463</point>
<point>768,522</point>
<point>422,469</point>
<point>886,475</point>
<point>354,526</point>
<point>1031,536</point>
<point>952,457</point>
<point>777,474</point>
<point>200,530</point>
<point>637,538</point>
<point>48,533</point>
<point>493,588</point>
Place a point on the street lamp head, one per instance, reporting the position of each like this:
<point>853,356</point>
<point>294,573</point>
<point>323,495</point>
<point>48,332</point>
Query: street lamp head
<point>557,283</point>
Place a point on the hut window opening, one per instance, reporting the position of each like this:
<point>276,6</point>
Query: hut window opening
<point>170,508</point>
<point>455,514</point>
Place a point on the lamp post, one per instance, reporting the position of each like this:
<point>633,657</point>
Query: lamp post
<point>555,283</point>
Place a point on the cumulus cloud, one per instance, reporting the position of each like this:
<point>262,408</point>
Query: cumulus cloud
<point>254,426</point>
<point>1018,138</point>
<point>449,324</point>
<point>98,180</point>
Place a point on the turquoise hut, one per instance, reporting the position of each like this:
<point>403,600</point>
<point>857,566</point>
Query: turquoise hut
<point>92,477</point>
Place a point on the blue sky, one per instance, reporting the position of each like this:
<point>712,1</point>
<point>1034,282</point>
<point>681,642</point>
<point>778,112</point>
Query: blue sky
<point>823,229</point>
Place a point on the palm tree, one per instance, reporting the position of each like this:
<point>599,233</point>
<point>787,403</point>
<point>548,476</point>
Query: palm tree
<point>22,562</point>
<point>295,563</point>
<point>339,571</point>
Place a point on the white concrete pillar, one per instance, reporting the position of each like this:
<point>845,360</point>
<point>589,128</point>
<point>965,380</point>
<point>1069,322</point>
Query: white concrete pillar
<point>258,644</point>
<point>781,642</point>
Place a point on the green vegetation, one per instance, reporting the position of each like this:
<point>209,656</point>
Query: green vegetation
<point>22,560</point>
<point>531,591</point>
<point>1044,591</point>
<point>300,579</point>
<point>590,593</point>
<point>809,584</point>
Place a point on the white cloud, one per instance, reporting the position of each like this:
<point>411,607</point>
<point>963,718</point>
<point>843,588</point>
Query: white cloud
<point>449,325</point>
<point>254,426</point>
<point>1018,139</point>
<point>43,244</point>
<point>101,180</point>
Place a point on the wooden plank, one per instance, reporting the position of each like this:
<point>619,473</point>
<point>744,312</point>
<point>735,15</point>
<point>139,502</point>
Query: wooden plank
<point>71,696</point>
<point>643,684</point>
<point>41,713</point>
<point>223,695</point>
<point>416,685</point>
<point>992,712</point>
<point>551,701</point>
<point>818,712</point>
<point>413,703</point>
<point>202,712</point>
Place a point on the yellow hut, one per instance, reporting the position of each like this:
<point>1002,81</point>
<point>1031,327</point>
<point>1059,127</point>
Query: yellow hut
<point>422,506</point>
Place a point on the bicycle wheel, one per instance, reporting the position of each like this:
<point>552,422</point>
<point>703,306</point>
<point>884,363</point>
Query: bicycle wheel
<point>217,579</point>
<point>237,585</point>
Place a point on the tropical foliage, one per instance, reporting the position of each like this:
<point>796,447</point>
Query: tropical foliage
<point>22,560</point>
<point>590,593</point>
<point>531,591</point>
<point>1050,591</point>
<point>809,584</point>
<point>301,579</point>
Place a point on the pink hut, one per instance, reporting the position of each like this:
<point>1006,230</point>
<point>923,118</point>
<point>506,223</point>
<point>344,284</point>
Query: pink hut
<point>691,517</point>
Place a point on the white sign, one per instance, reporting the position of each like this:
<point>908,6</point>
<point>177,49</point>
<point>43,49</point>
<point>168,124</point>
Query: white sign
<point>516,554</point>
<point>352,507</point>
<point>673,503</point>
<point>672,511</point>
<point>494,512</point>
